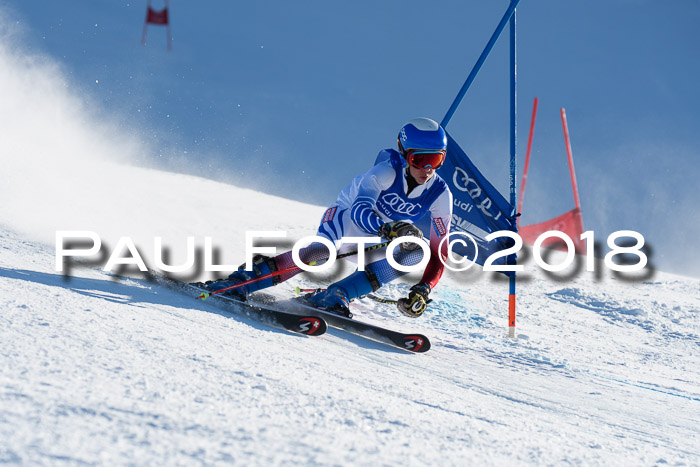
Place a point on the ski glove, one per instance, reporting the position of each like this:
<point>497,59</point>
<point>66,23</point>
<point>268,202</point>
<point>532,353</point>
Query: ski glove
<point>417,301</point>
<point>395,229</point>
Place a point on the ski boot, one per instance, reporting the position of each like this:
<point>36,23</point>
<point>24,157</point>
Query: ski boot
<point>337,297</point>
<point>262,265</point>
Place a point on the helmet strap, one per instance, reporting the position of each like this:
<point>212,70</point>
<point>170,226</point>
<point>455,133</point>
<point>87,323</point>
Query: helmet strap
<point>411,182</point>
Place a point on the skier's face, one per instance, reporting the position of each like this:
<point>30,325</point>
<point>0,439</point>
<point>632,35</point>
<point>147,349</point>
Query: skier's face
<point>421,175</point>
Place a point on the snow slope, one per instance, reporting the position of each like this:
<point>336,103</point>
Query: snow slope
<point>99,370</point>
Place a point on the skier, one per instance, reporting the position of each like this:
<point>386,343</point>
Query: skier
<point>386,201</point>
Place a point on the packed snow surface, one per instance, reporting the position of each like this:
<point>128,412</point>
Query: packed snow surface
<point>98,369</point>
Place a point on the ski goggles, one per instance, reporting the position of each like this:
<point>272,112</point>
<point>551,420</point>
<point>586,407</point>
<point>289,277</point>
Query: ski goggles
<point>423,158</point>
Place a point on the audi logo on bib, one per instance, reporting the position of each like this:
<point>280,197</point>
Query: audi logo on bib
<point>399,205</point>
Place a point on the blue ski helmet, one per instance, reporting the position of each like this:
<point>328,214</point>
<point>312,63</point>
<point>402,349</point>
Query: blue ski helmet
<point>422,133</point>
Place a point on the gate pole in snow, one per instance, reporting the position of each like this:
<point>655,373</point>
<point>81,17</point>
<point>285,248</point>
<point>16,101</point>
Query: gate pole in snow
<point>571,158</point>
<point>477,66</point>
<point>513,159</point>
<point>527,158</point>
<point>508,16</point>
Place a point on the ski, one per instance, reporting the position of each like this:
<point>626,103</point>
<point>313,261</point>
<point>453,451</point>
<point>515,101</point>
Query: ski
<point>308,320</point>
<point>310,325</point>
<point>412,342</point>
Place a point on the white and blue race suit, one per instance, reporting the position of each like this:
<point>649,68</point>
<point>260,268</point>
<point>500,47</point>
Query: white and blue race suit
<point>379,196</point>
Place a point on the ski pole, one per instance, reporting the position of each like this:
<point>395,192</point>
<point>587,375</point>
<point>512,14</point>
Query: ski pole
<point>206,295</point>
<point>388,301</point>
<point>299,291</point>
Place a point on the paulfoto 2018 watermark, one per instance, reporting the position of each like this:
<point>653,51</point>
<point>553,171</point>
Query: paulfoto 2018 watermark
<point>125,253</point>
<point>563,242</point>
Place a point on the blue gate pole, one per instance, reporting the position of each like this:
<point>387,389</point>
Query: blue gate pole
<point>513,159</point>
<point>479,63</point>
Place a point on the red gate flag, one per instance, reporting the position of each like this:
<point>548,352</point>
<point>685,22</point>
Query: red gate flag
<point>570,223</point>
<point>157,18</point>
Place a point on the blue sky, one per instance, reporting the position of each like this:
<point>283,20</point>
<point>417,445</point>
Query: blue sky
<point>298,97</point>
